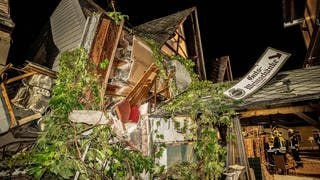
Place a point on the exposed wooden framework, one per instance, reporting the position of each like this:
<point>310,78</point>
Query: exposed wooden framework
<point>104,48</point>
<point>28,70</point>
<point>277,110</point>
<point>221,70</point>
<point>20,77</point>
<point>311,32</point>
<point>9,107</point>
<point>143,86</point>
<point>177,44</point>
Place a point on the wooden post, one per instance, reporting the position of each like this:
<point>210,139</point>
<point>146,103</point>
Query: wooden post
<point>241,147</point>
<point>7,102</point>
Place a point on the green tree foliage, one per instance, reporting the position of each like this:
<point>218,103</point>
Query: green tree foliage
<point>209,109</point>
<point>117,17</point>
<point>60,147</point>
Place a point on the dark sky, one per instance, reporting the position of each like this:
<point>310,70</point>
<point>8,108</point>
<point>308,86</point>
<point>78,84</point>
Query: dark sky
<point>240,29</point>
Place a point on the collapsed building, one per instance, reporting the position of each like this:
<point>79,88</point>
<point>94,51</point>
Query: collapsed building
<point>131,83</point>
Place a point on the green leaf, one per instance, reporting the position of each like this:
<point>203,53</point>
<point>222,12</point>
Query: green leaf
<point>104,64</point>
<point>37,171</point>
<point>109,152</point>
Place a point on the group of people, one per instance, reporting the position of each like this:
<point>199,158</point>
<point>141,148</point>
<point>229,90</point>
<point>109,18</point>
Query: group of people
<point>289,148</point>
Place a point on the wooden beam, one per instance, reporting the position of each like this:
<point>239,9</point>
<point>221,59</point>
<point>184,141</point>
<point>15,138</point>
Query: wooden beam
<point>5,68</point>
<point>19,77</point>
<point>229,71</point>
<point>143,86</point>
<point>279,110</point>
<point>109,46</point>
<point>30,118</point>
<point>308,119</point>
<point>30,67</point>
<point>10,110</point>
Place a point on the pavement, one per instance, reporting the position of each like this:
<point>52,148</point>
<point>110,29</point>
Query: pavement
<point>289,177</point>
<point>309,171</point>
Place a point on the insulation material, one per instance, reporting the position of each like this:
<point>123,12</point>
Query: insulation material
<point>143,130</point>
<point>144,109</point>
<point>124,53</point>
<point>88,116</point>
<point>22,97</point>
<point>122,62</point>
<point>120,75</point>
<point>39,100</point>
<point>41,81</point>
<point>34,94</point>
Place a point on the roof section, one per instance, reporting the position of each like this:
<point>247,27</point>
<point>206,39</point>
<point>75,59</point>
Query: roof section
<point>5,14</point>
<point>287,87</point>
<point>67,24</point>
<point>163,28</point>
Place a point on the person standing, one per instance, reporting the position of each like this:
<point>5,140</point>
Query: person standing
<point>317,140</point>
<point>279,144</point>
<point>293,147</point>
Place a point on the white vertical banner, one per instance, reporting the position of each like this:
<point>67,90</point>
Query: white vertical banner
<point>264,69</point>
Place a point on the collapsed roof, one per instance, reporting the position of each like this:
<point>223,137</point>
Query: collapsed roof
<point>131,78</point>
<point>72,20</point>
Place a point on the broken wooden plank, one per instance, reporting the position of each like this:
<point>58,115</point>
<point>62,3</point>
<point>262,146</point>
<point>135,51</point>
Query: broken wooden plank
<point>20,77</point>
<point>5,68</point>
<point>110,47</point>
<point>30,118</point>
<point>99,41</point>
<point>10,110</point>
<point>40,69</point>
<point>143,86</point>
<point>143,91</point>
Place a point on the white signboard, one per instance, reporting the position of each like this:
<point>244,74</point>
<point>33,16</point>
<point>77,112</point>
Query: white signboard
<point>265,68</point>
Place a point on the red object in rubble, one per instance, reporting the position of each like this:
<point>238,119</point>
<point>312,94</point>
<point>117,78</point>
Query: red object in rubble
<point>134,114</point>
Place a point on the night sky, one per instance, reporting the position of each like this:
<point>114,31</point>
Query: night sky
<point>240,29</point>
